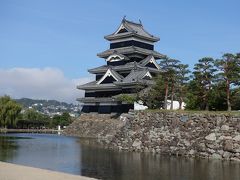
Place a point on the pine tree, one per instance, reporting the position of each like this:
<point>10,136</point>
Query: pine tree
<point>204,74</point>
<point>182,80</point>
<point>169,75</point>
<point>229,73</point>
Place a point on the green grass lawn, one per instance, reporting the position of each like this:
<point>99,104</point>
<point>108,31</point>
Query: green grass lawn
<point>235,113</point>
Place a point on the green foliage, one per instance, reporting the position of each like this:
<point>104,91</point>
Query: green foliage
<point>169,76</point>
<point>31,118</point>
<point>153,97</point>
<point>229,74</point>
<point>9,110</point>
<point>204,76</point>
<point>62,120</point>
<point>214,84</point>
<point>130,99</point>
<point>182,81</point>
<point>31,114</point>
<point>194,96</point>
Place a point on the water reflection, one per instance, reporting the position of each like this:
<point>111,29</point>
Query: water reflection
<point>51,152</point>
<point>82,156</point>
<point>115,165</point>
<point>8,148</point>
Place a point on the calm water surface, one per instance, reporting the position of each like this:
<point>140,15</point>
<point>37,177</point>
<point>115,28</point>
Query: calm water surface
<point>81,157</point>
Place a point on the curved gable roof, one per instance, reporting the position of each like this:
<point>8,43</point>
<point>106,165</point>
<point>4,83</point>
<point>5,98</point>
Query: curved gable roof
<point>132,29</point>
<point>149,59</point>
<point>112,73</point>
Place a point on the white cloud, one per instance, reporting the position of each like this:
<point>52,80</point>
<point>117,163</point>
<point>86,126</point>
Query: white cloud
<point>47,83</point>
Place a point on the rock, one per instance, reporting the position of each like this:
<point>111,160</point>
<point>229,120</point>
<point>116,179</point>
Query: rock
<point>228,146</point>
<point>220,152</point>
<point>236,148</point>
<point>191,152</point>
<point>137,144</point>
<point>236,138</point>
<point>158,150</point>
<point>186,143</point>
<point>201,147</point>
<point>226,155</point>
<point>225,138</point>
<point>225,128</point>
<point>216,156</point>
<point>203,154</point>
<point>235,159</point>
<point>211,151</point>
<point>146,149</point>
<point>211,145</point>
<point>211,137</point>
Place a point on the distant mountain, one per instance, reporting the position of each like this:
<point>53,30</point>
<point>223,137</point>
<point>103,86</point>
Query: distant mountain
<point>27,102</point>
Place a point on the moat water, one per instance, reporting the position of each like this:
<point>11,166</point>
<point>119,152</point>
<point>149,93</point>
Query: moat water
<point>81,157</point>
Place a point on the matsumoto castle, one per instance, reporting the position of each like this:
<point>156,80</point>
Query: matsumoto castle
<point>130,63</point>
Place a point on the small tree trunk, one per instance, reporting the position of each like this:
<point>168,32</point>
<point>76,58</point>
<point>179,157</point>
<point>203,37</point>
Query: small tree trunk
<point>166,96</point>
<point>207,96</point>
<point>207,107</point>
<point>228,96</point>
<point>172,93</point>
<point>180,102</point>
<point>171,107</point>
<point>206,101</point>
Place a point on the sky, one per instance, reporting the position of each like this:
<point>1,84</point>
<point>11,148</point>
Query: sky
<point>47,46</point>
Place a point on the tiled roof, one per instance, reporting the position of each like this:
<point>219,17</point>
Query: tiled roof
<point>93,85</point>
<point>133,29</point>
<point>129,50</point>
<point>145,61</point>
<point>126,67</point>
<point>97,99</point>
<point>135,76</point>
<point>118,76</point>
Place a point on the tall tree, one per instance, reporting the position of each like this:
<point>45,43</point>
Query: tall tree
<point>182,80</point>
<point>9,110</point>
<point>169,66</point>
<point>31,114</point>
<point>204,74</point>
<point>229,73</point>
<point>62,120</point>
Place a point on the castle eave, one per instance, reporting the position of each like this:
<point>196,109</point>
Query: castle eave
<point>94,86</point>
<point>126,67</point>
<point>97,100</point>
<point>130,50</point>
<point>130,34</point>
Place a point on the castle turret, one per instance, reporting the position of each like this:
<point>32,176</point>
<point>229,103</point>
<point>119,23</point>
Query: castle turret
<point>130,62</point>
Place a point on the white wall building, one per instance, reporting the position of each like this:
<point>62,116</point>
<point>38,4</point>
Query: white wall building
<point>176,105</point>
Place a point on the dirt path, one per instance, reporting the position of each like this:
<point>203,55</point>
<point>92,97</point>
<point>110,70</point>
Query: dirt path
<point>18,172</point>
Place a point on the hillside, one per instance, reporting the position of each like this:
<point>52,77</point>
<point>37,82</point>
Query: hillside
<point>49,107</point>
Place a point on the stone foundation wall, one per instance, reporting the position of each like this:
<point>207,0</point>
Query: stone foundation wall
<point>186,134</point>
<point>94,125</point>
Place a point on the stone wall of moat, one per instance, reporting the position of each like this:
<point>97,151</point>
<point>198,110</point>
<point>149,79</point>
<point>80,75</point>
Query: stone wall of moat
<point>206,135</point>
<point>94,125</point>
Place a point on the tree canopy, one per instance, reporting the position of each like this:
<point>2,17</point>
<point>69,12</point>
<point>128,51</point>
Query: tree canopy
<point>213,84</point>
<point>9,111</point>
